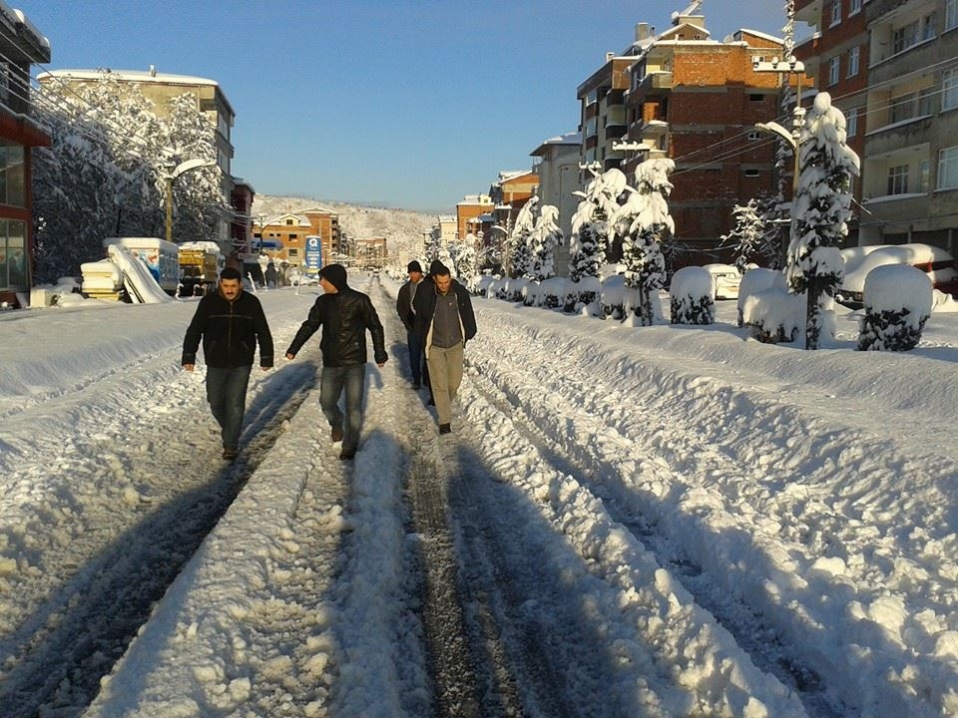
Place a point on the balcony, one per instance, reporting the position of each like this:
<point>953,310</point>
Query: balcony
<point>653,83</point>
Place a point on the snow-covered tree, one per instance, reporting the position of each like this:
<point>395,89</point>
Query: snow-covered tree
<point>820,211</point>
<point>545,238</point>
<point>198,199</point>
<point>520,254</point>
<point>640,223</point>
<point>466,262</point>
<point>757,236</point>
<point>590,233</point>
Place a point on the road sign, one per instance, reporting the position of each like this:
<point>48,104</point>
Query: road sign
<point>314,254</point>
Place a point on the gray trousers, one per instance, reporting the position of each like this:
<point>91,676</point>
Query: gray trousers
<point>445,376</point>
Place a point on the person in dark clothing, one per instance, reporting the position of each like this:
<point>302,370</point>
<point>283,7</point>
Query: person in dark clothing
<point>444,316</point>
<point>405,310</point>
<point>230,323</point>
<point>345,315</point>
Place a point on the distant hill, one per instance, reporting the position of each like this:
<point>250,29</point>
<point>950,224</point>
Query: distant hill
<point>402,228</point>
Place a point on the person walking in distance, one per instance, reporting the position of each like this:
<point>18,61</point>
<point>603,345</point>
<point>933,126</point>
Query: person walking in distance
<point>444,316</point>
<point>345,316</point>
<point>405,309</point>
<point>230,322</point>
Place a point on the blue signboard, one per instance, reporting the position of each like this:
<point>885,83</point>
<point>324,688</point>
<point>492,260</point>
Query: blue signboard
<point>314,254</point>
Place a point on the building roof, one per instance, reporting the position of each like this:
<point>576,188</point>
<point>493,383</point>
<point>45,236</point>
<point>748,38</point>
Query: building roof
<point>22,35</point>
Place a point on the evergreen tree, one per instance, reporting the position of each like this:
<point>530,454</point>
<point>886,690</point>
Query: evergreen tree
<point>820,211</point>
<point>641,223</point>
<point>520,258</point>
<point>545,238</point>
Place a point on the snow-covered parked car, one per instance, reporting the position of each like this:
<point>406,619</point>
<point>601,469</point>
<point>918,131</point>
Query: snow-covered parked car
<point>936,262</point>
<point>725,280</point>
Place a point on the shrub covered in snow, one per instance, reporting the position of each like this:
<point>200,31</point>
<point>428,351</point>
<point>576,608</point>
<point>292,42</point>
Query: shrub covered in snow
<point>897,305</point>
<point>691,296</point>
<point>485,285</point>
<point>582,295</point>
<point>549,293</point>
<point>753,281</point>
<point>614,297</point>
<point>773,313</point>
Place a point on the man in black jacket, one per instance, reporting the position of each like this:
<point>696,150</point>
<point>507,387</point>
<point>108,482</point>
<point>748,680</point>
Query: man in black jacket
<point>444,316</point>
<point>345,315</point>
<point>230,322</point>
<point>405,310</point>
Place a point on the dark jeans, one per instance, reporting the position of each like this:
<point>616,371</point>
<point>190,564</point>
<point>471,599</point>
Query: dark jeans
<point>334,381</point>
<point>416,343</point>
<point>226,393</point>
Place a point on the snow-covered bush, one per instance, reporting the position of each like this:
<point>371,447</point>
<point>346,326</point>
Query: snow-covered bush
<point>773,314</point>
<point>549,293</point>
<point>897,305</point>
<point>485,285</point>
<point>614,297</point>
<point>583,296</point>
<point>754,280</point>
<point>691,296</point>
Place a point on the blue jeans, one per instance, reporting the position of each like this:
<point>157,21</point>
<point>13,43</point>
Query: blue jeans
<point>416,343</point>
<point>226,393</point>
<point>352,379</point>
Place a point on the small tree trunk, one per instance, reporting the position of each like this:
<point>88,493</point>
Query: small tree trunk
<point>813,328</point>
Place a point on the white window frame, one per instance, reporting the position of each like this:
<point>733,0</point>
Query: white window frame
<point>949,90</point>
<point>836,13</point>
<point>897,180</point>
<point>834,70</point>
<point>851,122</point>
<point>854,7</point>
<point>854,57</point>
<point>951,14</point>
<point>948,168</point>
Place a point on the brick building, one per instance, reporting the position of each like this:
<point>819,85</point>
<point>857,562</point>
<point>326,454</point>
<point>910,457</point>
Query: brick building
<point>291,230</point>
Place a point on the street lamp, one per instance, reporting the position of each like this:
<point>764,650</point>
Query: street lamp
<point>180,169</point>
<point>787,67</point>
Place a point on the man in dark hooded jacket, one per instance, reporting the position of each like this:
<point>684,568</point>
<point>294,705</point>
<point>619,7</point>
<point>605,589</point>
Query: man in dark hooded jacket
<point>345,315</point>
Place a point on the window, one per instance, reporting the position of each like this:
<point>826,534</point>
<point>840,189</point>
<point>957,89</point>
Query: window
<point>853,58</point>
<point>834,70</point>
<point>904,37</point>
<point>898,179</point>
<point>752,173</point>
<point>836,12</point>
<point>752,135</point>
<point>12,188</point>
<point>948,168</point>
<point>756,97</point>
<point>951,14</point>
<point>854,7</point>
<point>851,122</point>
<point>910,106</point>
<point>928,26</point>
<point>949,90</point>
<point>13,258</point>
<point>924,176</point>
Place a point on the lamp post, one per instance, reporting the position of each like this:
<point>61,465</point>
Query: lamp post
<point>787,67</point>
<point>169,177</point>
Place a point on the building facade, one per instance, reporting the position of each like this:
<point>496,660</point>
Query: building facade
<point>21,45</point>
<point>556,161</point>
<point>285,236</point>
<point>698,101</point>
<point>910,168</point>
<point>469,214</point>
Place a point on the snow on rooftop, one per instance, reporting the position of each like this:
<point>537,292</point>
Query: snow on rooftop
<point>134,76</point>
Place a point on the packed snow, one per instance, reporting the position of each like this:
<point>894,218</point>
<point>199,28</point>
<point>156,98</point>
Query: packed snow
<point>671,520</point>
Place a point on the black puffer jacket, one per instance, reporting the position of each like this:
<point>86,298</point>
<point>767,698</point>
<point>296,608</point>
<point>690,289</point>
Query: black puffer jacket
<point>344,316</point>
<point>229,331</point>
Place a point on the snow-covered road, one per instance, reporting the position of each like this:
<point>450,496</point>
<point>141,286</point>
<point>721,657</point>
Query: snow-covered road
<point>663,521</point>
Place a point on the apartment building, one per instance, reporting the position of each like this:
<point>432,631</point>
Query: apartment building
<point>284,238</point>
<point>698,101</point>
<point>556,161</point>
<point>474,214</point>
<point>837,56</point>
<point>159,88</point>
<point>21,45</point>
<point>910,168</point>
<point>510,193</point>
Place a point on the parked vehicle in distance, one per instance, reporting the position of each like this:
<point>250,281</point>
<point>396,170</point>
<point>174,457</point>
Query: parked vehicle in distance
<point>934,261</point>
<point>725,280</point>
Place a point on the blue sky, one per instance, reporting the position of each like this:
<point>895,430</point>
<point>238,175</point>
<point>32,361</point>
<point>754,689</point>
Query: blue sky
<point>398,103</point>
